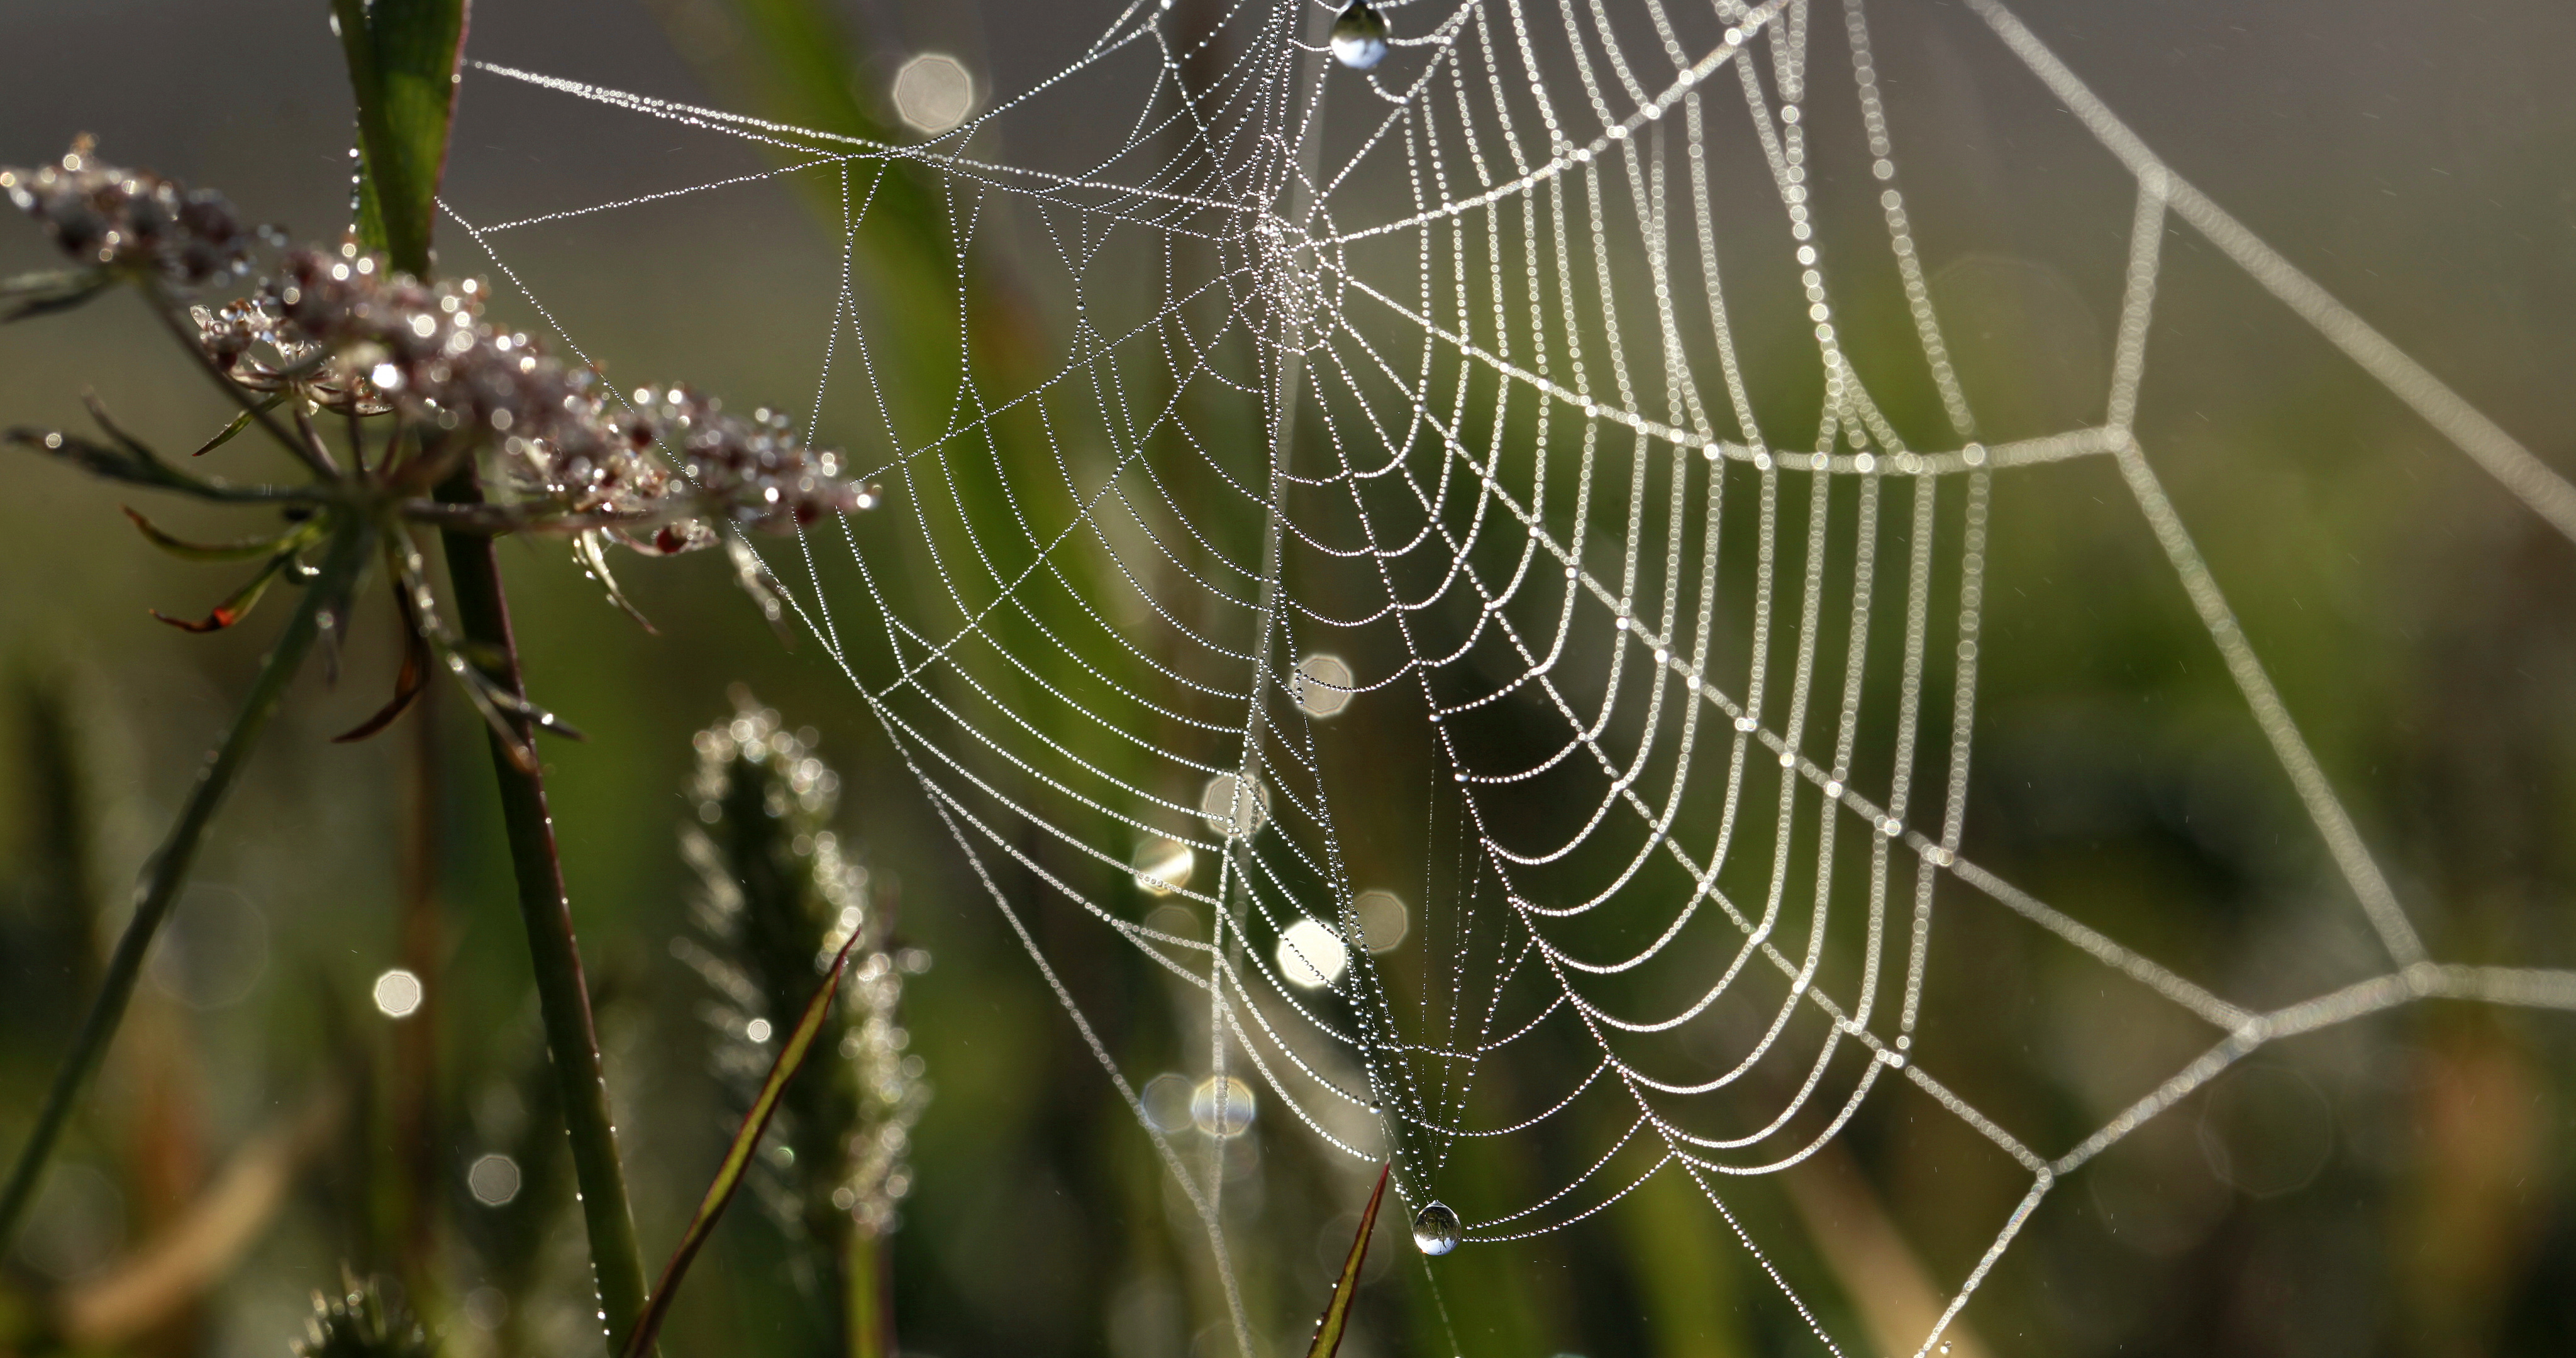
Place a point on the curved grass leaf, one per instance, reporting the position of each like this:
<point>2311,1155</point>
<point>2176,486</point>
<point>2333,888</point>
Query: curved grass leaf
<point>737,1157</point>
<point>1337,1312</point>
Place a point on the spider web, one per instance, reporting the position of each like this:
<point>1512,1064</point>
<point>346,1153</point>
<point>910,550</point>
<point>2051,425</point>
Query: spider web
<point>1433,372</point>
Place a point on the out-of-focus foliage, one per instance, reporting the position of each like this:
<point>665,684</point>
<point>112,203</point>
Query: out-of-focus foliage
<point>361,1322</point>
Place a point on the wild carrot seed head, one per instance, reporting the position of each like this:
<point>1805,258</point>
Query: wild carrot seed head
<point>132,222</point>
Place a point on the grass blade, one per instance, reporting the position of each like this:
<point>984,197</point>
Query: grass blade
<point>1337,1312</point>
<point>737,1157</point>
<point>167,870</point>
<point>402,57</point>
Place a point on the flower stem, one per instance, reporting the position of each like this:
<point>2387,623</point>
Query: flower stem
<point>563,997</point>
<point>866,1281</point>
<point>168,869</point>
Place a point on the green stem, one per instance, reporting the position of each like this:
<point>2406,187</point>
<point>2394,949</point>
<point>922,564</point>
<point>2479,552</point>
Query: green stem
<point>403,57</point>
<point>866,1280</point>
<point>563,997</point>
<point>168,869</point>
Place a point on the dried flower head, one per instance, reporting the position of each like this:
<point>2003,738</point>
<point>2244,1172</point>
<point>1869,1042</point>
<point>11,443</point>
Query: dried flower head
<point>753,471</point>
<point>341,330</point>
<point>344,330</point>
<point>132,222</point>
<point>425,351</point>
<point>778,900</point>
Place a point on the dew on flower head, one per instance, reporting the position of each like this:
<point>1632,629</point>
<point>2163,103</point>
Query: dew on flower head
<point>1435,1229</point>
<point>1359,37</point>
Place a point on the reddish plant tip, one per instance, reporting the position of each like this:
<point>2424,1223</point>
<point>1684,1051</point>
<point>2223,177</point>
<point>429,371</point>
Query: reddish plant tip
<point>215,621</point>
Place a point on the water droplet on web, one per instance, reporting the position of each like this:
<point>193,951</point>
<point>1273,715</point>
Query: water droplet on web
<point>1163,865</point>
<point>933,92</point>
<point>1359,38</point>
<point>1233,811</point>
<point>1435,1229</point>
<point>1383,920</point>
<point>1221,1107</point>
<point>1323,684</point>
<point>1166,1100</point>
<point>1312,954</point>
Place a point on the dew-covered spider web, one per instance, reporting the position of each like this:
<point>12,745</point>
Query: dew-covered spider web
<point>1392,536</point>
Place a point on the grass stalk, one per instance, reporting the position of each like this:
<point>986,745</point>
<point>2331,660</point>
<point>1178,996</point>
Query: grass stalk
<point>403,57</point>
<point>867,1282</point>
<point>563,996</point>
<point>168,868</point>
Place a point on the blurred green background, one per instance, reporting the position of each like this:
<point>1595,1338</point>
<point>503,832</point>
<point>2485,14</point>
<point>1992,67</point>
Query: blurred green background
<point>2397,1186</point>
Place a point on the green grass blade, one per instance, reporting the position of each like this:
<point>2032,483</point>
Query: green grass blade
<point>737,1157</point>
<point>402,57</point>
<point>167,870</point>
<point>1337,1312</point>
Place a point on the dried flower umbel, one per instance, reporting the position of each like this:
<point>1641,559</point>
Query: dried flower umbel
<point>418,384</point>
<point>117,223</point>
<point>778,899</point>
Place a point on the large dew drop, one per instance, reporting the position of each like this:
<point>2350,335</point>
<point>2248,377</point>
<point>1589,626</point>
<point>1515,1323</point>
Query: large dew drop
<point>1359,37</point>
<point>1435,1229</point>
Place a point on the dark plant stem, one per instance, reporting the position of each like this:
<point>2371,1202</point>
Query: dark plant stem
<point>168,869</point>
<point>572,1038</point>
